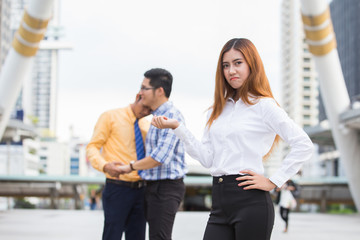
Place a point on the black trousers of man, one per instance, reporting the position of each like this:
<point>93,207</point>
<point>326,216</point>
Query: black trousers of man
<point>124,211</point>
<point>162,201</point>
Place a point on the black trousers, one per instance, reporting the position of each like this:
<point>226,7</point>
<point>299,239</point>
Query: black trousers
<point>284,213</point>
<point>162,200</point>
<point>124,212</point>
<point>237,213</point>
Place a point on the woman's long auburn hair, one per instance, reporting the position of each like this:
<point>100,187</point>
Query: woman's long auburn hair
<point>256,85</point>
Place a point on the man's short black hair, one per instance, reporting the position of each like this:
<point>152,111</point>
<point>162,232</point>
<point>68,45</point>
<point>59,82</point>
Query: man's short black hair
<point>160,78</point>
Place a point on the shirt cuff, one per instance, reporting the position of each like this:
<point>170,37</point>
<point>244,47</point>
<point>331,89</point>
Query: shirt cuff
<point>278,179</point>
<point>180,131</point>
<point>101,165</point>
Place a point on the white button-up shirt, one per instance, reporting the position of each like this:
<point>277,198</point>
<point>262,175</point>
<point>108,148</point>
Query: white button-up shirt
<point>242,134</point>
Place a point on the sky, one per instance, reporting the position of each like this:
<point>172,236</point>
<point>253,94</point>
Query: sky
<point>115,42</point>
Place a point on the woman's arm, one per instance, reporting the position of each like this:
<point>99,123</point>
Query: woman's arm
<point>301,146</point>
<point>200,151</point>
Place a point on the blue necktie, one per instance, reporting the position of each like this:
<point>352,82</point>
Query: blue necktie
<point>140,150</point>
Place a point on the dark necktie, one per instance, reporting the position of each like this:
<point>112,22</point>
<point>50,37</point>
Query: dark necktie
<point>140,150</point>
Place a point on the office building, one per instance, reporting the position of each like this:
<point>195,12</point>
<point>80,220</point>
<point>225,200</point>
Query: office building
<point>5,33</point>
<point>298,78</point>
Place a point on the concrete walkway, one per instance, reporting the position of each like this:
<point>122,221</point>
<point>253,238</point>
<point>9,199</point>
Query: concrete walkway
<point>87,225</point>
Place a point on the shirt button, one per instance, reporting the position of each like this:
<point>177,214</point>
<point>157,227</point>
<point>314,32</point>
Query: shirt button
<point>221,180</point>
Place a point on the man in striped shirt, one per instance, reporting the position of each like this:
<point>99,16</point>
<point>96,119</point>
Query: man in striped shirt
<point>164,166</point>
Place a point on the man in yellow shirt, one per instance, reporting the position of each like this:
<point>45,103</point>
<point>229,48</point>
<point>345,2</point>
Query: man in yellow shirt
<point>114,143</point>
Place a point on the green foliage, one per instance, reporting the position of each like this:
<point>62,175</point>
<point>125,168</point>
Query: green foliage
<point>341,209</point>
<point>32,151</point>
<point>95,187</point>
<point>34,119</point>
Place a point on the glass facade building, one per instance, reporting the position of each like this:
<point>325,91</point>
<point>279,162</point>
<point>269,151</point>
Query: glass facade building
<point>346,21</point>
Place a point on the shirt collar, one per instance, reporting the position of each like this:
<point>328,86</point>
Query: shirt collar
<point>162,108</point>
<point>230,100</point>
<point>130,113</point>
<point>251,98</point>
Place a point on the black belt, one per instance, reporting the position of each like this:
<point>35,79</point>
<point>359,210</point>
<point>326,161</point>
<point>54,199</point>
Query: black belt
<point>138,184</point>
<point>148,182</point>
<point>227,179</point>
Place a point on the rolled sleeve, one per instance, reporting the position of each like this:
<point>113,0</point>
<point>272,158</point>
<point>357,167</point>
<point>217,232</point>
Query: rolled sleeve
<point>167,142</point>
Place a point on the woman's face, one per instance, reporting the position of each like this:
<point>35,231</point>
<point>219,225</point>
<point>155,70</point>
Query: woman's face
<point>236,70</point>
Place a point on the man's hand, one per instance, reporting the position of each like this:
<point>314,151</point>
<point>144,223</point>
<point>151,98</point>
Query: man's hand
<point>255,181</point>
<point>164,122</point>
<point>124,169</point>
<point>112,169</point>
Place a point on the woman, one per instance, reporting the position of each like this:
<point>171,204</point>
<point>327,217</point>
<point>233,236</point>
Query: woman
<point>243,126</point>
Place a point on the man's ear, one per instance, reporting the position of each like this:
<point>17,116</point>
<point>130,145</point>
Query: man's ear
<point>161,91</point>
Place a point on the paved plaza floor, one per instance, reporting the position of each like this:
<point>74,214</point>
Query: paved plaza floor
<point>87,225</point>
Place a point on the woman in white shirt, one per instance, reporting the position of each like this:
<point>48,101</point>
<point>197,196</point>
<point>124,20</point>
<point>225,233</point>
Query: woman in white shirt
<point>243,126</point>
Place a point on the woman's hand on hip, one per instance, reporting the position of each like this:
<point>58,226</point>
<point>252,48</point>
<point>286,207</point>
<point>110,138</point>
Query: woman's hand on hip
<point>164,122</point>
<point>255,181</point>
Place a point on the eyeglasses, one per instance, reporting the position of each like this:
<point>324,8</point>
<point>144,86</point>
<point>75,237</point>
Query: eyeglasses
<point>146,88</point>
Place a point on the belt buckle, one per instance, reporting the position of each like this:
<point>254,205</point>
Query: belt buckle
<point>135,184</point>
<point>141,184</point>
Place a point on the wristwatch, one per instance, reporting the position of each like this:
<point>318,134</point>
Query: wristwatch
<point>131,165</point>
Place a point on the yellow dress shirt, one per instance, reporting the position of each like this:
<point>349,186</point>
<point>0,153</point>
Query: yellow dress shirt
<point>113,140</point>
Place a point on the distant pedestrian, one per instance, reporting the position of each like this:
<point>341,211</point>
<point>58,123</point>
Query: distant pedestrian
<point>243,125</point>
<point>287,201</point>
<point>93,199</point>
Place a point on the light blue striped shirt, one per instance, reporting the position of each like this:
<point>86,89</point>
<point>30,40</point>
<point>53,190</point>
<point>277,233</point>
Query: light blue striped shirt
<point>165,147</point>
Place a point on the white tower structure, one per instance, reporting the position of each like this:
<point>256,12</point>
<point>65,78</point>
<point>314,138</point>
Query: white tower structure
<point>322,44</point>
<point>39,95</point>
<point>20,57</point>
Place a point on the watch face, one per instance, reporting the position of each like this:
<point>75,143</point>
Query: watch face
<point>131,165</point>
